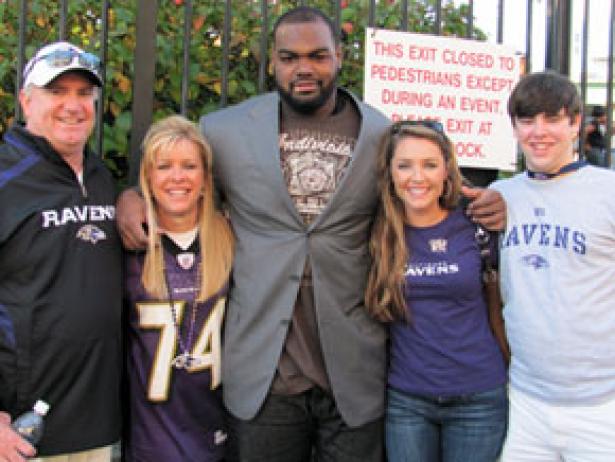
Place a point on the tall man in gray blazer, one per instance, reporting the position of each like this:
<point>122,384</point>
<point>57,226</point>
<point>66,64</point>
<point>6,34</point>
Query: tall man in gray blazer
<point>303,364</point>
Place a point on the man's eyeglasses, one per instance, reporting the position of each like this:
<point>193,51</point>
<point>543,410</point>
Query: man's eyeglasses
<point>63,58</point>
<point>427,123</point>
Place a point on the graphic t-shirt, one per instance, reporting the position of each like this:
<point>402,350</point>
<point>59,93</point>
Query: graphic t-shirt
<point>447,348</point>
<point>557,262</point>
<point>314,155</point>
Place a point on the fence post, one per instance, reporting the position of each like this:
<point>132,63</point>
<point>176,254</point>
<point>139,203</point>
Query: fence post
<point>143,84</point>
<point>559,17</point>
<point>609,90</point>
<point>21,61</point>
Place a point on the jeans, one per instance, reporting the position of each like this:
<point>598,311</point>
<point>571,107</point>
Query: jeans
<point>468,428</point>
<point>303,428</point>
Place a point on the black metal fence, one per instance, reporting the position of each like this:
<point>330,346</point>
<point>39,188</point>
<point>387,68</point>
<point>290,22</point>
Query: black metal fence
<point>558,21</point>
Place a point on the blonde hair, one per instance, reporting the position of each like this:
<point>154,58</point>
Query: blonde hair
<point>384,297</point>
<point>215,236</point>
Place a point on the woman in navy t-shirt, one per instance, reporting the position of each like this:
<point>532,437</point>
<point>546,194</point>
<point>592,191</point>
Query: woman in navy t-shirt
<point>447,377</point>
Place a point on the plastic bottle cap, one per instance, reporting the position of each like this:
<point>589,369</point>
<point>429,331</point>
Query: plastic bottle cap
<point>41,407</point>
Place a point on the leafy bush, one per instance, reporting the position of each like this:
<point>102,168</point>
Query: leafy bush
<point>205,73</point>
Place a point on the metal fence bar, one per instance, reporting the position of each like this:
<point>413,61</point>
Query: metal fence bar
<point>404,16</point>
<point>500,29</point>
<point>609,87</point>
<point>63,20</point>
<point>226,40</point>
<point>263,44</point>
<point>564,33</point>
<point>549,27</point>
<point>558,31</point>
<point>584,78</point>
<point>143,84</point>
<point>104,45</point>
<point>21,54</point>
<point>337,16</point>
<point>186,56</point>
<point>470,19</point>
<point>371,19</point>
<point>528,35</point>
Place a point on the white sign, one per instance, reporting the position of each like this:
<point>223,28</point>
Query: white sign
<point>464,84</point>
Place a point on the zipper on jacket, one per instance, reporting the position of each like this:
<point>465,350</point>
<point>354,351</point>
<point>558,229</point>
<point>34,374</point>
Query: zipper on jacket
<point>81,181</point>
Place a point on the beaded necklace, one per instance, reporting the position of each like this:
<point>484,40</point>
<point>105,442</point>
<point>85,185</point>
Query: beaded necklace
<point>185,359</point>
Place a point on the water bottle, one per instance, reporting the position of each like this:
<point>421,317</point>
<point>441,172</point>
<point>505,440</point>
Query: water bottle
<point>30,425</point>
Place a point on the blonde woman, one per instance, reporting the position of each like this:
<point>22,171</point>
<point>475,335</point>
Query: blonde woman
<point>446,380</point>
<point>177,293</point>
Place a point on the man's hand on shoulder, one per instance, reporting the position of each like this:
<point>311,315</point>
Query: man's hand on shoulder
<point>130,217</point>
<point>486,207</point>
<point>13,448</point>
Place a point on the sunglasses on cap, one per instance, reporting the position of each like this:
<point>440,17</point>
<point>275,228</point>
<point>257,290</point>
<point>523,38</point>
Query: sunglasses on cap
<point>427,123</point>
<point>62,58</point>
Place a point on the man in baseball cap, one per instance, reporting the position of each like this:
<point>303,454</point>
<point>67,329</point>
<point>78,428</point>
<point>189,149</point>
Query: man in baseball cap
<point>60,266</point>
<point>58,98</point>
<point>57,58</point>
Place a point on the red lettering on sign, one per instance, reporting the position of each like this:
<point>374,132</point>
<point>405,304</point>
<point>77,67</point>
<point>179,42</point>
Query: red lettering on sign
<point>421,53</point>
<point>481,105</point>
<point>488,83</point>
<point>469,149</point>
<point>391,50</point>
<point>459,126</point>
<point>406,98</point>
<point>464,58</point>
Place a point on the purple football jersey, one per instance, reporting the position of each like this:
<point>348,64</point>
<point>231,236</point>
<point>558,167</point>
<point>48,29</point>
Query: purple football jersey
<point>176,410</point>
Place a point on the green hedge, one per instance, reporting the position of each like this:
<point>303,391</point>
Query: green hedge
<point>84,26</point>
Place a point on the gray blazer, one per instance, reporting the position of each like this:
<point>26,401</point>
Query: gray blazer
<point>271,248</point>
